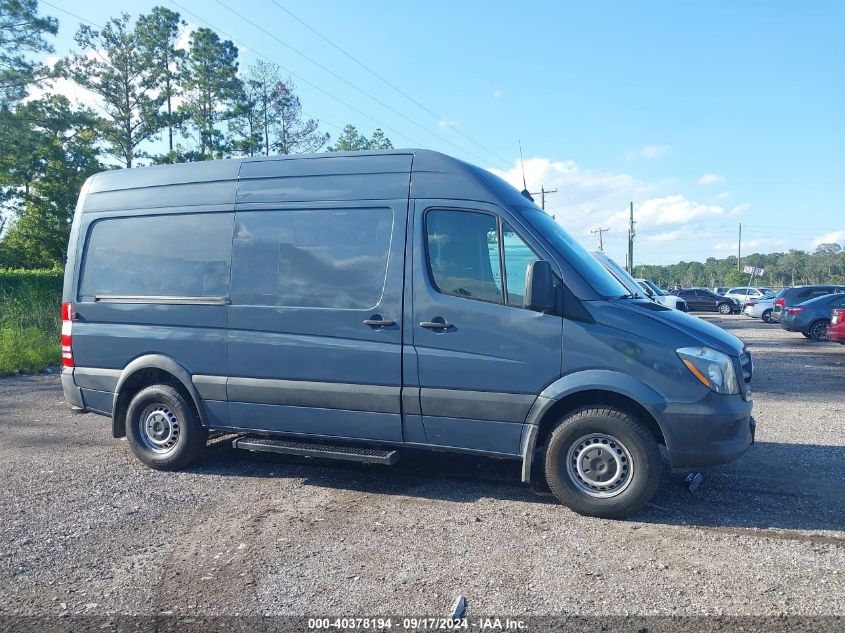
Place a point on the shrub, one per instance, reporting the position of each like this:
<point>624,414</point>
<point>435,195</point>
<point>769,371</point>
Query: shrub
<point>30,319</point>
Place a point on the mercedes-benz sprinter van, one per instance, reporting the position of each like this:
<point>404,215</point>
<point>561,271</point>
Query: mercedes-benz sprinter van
<point>352,305</point>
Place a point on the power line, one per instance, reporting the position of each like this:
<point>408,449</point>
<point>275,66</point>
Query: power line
<point>347,82</point>
<point>73,15</point>
<point>389,83</point>
<point>299,77</point>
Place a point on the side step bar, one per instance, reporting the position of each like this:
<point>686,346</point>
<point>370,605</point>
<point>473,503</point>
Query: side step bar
<point>348,452</point>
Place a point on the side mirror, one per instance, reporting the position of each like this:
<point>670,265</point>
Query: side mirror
<point>540,287</point>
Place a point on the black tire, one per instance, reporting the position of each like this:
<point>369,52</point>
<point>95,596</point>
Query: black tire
<point>767,316</point>
<point>628,442</point>
<point>725,308</point>
<point>818,330</point>
<point>162,428</point>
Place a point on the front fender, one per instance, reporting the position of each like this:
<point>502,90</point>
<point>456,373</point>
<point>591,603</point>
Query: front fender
<point>587,380</point>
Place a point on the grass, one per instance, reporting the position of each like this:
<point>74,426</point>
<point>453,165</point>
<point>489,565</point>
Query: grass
<point>30,320</point>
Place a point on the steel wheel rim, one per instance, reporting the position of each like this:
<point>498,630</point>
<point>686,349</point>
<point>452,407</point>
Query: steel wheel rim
<point>724,308</point>
<point>159,428</point>
<point>819,331</point>
<point>599,465</point>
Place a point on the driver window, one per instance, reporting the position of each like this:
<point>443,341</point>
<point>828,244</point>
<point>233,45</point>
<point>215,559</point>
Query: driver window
<point>518,257</point>
<point>463,254</point>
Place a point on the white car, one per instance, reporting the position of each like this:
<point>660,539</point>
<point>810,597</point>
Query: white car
<point>670,301</point>
<point>747,294</point>
<point>760,308</point>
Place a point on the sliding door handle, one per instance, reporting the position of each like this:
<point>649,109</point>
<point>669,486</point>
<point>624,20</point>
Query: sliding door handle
<point>437,324</point>
<point>377,322</point>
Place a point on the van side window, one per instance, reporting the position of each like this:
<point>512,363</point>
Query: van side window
<point>319,258</point>
<point>186,255</point>
<point>463,254</point>
<point>518,256</point>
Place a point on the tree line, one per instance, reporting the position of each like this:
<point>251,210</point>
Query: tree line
<point>158,102</point>
<point>826,264</point>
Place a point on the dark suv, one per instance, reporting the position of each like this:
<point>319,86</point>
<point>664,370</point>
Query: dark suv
<point>704,300</point>
<point>799,294</point>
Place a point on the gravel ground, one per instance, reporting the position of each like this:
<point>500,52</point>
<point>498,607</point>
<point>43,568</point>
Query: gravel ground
<point>85,528</point>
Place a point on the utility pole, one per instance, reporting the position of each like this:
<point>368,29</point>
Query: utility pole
<point>631,234</point>
<point>601,241</point>
<point>739,250</point>
<point>543,191</point>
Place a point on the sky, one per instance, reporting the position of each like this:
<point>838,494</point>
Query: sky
<point>705,115</point>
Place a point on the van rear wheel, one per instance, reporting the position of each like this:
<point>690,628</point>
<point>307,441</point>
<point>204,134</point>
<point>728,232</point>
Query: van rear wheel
<point>162,428</point>
<point>602,462</point>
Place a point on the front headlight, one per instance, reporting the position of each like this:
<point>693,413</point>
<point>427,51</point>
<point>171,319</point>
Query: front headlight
<point>714,369</point>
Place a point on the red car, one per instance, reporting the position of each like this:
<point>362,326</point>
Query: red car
<point>836,329</point>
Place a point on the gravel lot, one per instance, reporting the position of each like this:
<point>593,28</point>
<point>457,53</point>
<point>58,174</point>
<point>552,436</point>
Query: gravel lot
<point>85,528</point>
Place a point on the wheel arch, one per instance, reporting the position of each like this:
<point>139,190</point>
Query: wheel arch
<point>148,370</point>
<point>595,387</point>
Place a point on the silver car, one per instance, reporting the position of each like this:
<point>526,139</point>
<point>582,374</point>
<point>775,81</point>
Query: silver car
<point>760,308</point>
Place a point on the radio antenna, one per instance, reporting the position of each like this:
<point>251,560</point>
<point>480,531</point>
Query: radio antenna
<point>524,191</point>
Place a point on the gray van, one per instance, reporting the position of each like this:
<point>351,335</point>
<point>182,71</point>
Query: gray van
<point>352,305</point>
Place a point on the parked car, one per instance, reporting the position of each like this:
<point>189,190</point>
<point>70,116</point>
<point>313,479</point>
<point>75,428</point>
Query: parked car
<point>720,290</point>
<point>812,317</point>
<point>661,296</point>
<point>704,300</point>
<point>760,308</point>
<point>348,306</point>
<point>793,296</point>
<point>742,295</point>
<point>836,329</point>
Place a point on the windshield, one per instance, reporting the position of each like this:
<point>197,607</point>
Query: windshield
<point>654,287</point>
<point>605,284</point>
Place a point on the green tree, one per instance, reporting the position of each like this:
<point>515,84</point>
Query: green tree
<point>262,83</point>
<point>113,66</point>
<point>291,131</point>
<point>379,141</point>
<point>157,35</point>
<point>212,88</point>
<point>22,33</point>
<point>62,153</point>
<point>350,140</point>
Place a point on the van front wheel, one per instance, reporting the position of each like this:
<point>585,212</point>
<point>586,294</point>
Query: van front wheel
<point>162,428</point>
<point>602,462</point>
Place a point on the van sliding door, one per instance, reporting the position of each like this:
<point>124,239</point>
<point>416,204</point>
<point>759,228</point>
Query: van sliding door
<point>315,319</point>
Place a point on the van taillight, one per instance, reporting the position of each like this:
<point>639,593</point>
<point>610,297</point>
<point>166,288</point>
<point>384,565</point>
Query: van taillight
<point>67,344</point>
<point>780,302</point>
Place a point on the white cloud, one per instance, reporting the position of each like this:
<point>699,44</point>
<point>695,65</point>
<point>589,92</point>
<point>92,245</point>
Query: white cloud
<point>649,152</point>
<point>588,198</point>
<point>724,195</point>
<point>740,208</point>
<point>709,179</point>
<point>747,245</point>
<point>672,209</point>
<point>445,123</point>
<point>497,94</point>
<point>834,237</point>
<point>184,38</point>
<point>75,93</point>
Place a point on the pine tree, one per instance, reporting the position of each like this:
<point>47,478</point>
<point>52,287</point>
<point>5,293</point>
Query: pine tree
<point>112,66</point>
<point>212,88</point>
<point>158,33</point>
<point>21,33</point>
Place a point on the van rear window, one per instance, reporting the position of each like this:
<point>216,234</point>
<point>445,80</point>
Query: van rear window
<point>158,256</point>
<point>319,258</point>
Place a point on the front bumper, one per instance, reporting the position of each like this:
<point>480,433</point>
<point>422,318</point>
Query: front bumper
<point>715,430</point>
